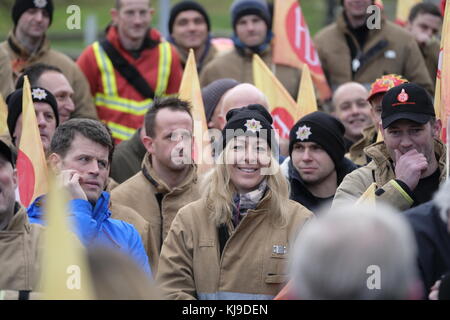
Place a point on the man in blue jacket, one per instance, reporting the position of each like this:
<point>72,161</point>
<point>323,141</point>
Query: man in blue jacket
<point>81,152</point>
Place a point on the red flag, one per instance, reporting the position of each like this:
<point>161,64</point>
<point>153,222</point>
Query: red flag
<point>31,164</point>
<point>293,45</point>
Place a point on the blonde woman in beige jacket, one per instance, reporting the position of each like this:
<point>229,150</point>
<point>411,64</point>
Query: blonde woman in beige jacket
<point>233,242</point>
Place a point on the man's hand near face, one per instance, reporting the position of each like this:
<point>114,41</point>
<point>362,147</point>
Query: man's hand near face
<point>409,167</point>
<point>70,179</point>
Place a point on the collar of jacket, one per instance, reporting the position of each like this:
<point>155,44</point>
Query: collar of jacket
<point>159,184</point>
<point>245,51</point>
<point>101,210</point>
<point>152,39</point>
<point>19,220</point>
<point>380,156</point>
<point>22,52</point>
<point>369,137</point>
<point>372,33</point>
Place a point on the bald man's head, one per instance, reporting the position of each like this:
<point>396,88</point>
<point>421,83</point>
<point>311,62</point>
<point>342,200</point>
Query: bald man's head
<point>240,96</point>
<point>352,108</point>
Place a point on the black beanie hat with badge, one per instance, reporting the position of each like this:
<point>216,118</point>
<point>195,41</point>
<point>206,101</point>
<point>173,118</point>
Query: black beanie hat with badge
<point>252,120</point>
<point>20,6</point>
<point>185,6</point>
<point>14,102</point>
<point>407,101</point>
<point>323,129</point>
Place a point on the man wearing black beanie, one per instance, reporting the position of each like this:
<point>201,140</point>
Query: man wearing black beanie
<point>27,44</point>
<point>189,27</point>
<point>252,34</point>
<point>46,115</point>
<point>317,165</point>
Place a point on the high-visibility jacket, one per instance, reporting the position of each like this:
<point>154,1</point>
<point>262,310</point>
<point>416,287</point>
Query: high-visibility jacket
<point>118,103</point>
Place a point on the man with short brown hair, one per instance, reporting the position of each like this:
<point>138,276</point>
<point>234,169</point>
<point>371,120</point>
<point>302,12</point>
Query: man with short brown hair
<point>168,178</point>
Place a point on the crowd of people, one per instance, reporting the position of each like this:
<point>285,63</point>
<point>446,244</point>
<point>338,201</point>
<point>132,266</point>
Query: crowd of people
<point>272,218</point>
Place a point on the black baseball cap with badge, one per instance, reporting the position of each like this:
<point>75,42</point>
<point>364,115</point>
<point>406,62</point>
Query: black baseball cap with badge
<point>6,152</point>
<point>407,101</point>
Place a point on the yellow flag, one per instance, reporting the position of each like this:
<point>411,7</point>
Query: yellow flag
<point>368,197</point>
<point>3,117</point>
<point>190,91</point>
<point>65,273</point>
<point>442,94</point>
<point>306,98</point>
<point>31,164</point>
<point>403,9</point>
<point>283,108</point>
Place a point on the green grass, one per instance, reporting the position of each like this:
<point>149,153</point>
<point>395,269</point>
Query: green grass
<point>313,10</point>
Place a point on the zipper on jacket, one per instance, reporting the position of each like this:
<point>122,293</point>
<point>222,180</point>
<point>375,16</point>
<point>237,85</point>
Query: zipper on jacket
<point>159,198</point>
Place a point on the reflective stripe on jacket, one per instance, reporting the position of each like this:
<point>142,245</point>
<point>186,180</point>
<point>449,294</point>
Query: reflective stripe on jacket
<point>124,124</point>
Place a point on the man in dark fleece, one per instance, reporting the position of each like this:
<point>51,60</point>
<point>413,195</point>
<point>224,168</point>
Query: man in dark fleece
<point>317,165</point>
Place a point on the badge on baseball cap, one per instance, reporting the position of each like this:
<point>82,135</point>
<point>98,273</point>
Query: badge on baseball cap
<point>406,101</point>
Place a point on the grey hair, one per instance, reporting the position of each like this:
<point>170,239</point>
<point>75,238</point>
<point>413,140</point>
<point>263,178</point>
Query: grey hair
<point>335,254</point>
<point>442,200</point>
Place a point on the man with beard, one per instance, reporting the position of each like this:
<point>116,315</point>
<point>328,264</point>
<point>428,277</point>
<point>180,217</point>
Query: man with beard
<point>168,178</point>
